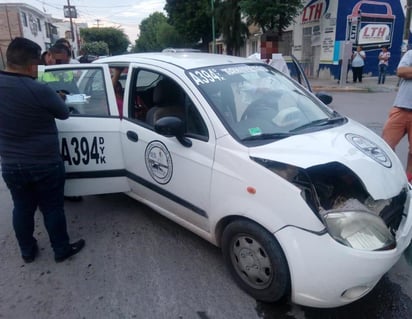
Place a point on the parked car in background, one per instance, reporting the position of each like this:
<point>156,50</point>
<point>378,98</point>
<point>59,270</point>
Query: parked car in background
<point>87,58</point>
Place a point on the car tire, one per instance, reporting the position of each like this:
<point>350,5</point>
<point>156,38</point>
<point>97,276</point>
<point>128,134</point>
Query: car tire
<point>256,261</point>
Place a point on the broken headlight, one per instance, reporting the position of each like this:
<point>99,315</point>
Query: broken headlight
<point>359,230</point>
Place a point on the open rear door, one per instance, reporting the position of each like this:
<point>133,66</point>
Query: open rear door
<point>90,141</point>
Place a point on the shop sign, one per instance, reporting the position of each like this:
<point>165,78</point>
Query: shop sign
<point>370,29</point>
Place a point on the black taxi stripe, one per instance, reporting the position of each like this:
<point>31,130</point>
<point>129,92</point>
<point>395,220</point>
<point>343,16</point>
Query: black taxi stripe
<point>96,174</point>
<point>139,180</point>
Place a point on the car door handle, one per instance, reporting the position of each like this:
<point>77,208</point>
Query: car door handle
<point>132,136</point>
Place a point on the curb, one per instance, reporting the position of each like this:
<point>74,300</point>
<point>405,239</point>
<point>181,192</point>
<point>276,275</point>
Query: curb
<point>339,89</point>
<point>365,89</point>
<point>370,84</point>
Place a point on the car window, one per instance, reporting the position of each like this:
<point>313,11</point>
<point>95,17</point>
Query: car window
<point>155,96</point>
<point>85,90</point>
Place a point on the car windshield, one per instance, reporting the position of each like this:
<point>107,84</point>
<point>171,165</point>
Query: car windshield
<point>256,102</point>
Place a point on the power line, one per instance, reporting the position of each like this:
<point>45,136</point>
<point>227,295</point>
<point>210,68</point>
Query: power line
<point>56,6</point>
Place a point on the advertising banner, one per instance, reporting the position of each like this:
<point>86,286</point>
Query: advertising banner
<point>371,25</point>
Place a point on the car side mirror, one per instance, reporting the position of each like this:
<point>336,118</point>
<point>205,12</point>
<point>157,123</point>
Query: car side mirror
<point>173,126</point>
<point>324,97</point>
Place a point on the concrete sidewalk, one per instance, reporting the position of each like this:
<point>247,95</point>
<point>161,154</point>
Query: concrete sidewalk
<point>369,84</point>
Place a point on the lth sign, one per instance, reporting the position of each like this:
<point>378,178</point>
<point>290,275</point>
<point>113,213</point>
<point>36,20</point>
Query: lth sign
<point>314,10</point>
<point>370,25</point>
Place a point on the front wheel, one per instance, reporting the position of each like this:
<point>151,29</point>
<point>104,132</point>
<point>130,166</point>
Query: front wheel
<point>256,261</point>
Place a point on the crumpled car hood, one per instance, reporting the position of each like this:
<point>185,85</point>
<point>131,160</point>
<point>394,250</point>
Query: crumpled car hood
<point>352,145</point>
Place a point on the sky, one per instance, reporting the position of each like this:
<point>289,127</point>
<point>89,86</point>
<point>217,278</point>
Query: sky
<point>126,14</point>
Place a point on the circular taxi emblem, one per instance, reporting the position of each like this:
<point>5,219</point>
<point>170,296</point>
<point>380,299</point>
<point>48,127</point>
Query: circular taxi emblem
<point>370,149</point>
<point>159,162</point>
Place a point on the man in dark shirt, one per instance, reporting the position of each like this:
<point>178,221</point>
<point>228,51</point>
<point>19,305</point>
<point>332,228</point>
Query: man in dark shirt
<point>31,163</point>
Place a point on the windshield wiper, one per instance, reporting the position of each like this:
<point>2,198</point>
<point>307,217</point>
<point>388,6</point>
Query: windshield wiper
<point>320,122</point>
<point>266,136</point>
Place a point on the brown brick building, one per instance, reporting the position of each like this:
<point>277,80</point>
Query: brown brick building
<point>22,20</point>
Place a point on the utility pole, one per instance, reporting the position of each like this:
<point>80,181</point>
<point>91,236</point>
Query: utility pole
<point>71,20</point>
<point>213,27</point>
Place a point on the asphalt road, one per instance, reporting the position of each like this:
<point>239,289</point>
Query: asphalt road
<point>137,264</point>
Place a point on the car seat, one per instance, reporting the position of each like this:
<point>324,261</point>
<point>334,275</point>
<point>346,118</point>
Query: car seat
<point>168,100</point>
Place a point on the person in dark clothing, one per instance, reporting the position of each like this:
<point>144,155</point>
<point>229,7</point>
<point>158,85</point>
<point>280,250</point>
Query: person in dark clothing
<point>32,167</point>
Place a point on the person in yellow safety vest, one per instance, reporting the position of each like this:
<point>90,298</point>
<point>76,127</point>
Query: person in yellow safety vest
<point>53,76</point>
<point>60,80</point>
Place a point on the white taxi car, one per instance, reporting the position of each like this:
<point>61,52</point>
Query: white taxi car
<point>303,202</point>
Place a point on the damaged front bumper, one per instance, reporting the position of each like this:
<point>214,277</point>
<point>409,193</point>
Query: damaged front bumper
<point>363,238</point>
<point>325,273</point>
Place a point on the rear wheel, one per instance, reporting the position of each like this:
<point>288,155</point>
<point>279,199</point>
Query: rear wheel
<point>256,261</point>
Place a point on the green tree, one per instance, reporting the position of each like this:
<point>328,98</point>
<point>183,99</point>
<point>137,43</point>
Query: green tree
<point>95,48</point>
<point>170,38</point>
<point>154,33</point>
<point>234,31</point>
<point>271,15</point>
<point>192,19</point>
<point>116,39</point>
<point>147,41</point>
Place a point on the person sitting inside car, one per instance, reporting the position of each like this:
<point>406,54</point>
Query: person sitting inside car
<point>118,89</point>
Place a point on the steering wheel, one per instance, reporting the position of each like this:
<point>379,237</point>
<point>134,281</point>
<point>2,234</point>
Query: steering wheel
<point>261,108</point>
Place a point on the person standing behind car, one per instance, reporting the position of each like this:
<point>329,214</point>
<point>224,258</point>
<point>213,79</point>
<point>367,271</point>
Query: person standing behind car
<point>66,43</point>
<point>383,58</point>
<point>358,62</point>
<point>399,122</point>
<point>61,80</point>
<point>60,53</point>
<point>32,167</point>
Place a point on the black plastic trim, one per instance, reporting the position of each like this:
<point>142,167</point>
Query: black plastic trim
<point>141,181</point>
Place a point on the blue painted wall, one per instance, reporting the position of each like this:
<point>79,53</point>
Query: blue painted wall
<point>345,8</point>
